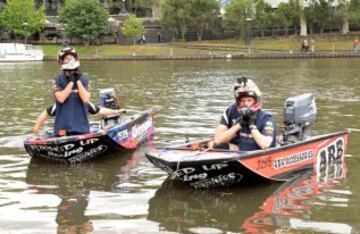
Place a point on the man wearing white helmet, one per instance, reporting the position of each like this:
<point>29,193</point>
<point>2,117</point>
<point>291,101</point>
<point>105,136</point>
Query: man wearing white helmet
<point>244,126</point>
<point>71,95</point>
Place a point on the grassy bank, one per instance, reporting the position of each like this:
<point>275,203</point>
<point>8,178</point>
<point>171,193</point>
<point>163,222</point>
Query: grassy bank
<point>204,48</point>
<point>326,42</point>
<point>113,51</point>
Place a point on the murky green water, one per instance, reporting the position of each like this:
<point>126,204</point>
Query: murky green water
<point>126,194</point>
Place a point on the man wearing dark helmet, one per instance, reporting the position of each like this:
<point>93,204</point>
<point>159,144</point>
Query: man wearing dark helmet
<point>72,95</point>
<point>244,126</point>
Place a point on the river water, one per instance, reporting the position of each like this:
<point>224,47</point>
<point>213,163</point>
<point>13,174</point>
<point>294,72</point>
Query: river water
<point>124,193</point>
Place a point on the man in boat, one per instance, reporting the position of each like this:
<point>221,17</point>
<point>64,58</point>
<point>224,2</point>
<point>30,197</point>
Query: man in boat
<point>93,109</point>
<point>244,126</point>
<point>72,96</point>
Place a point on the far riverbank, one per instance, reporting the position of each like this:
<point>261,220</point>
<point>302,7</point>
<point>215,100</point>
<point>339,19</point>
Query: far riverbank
<point>334,46</point>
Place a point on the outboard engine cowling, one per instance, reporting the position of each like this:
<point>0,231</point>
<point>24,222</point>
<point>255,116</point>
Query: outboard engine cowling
<point>299,115</point>
<point>109,99</point>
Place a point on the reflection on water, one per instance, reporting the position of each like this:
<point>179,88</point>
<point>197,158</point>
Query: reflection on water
<point>287,208</point>
<point>252,209</point>
<point>126,194</point>
<point>73,184</point>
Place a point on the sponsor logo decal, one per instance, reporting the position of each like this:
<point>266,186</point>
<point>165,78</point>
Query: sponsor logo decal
<point>264,162</point>
<point>331,152</point>
<point>293,159</point>
<point>140,130</point>
<point>122,135</point>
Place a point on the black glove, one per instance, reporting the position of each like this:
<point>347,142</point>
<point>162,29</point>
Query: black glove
<point>77,75</point>
<point>243,120</point>
<point>72,78</point>
<point>247,120</point>
<point>252,119</point>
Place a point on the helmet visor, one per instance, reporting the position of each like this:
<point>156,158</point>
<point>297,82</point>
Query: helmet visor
<point>70,65</point>
<point>67,51</point>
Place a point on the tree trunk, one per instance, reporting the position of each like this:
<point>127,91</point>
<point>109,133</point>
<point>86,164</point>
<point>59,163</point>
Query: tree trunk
<point>183,32</point>
<point>322,30</point>
<point>199,35</point>
<point>86,42</point>
<point>182,36</point>
<point>295,30</point>
<point>262,33</point>
<point>345,27</point>
<point>303,25</point>
<point>286,31</point>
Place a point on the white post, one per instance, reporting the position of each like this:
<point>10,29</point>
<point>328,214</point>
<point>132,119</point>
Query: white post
<point>303,26</point>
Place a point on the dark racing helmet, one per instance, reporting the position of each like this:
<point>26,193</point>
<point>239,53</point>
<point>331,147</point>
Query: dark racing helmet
<point>71,64</point>
<point>245,87</point>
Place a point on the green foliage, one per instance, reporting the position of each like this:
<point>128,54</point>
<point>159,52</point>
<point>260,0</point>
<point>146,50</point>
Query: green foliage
<point>84,19</point>
<point>175,16</point>
<point>288,14</point>
<point>320,12</point>
<point>341,14</point>
<point>236,14</point>
<point>133,27</point>
<point>203,15</point>
<point>21,18</point>
<point>263,15</point>
<point>354,11</point>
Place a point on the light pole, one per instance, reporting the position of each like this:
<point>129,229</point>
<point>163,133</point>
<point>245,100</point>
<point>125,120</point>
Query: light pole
<point>25,27</point>
<point>248,21</point>
<point>123,9</point>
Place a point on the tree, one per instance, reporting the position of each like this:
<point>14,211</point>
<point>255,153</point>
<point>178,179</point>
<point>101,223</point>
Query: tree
<point>309,13</point>
<point>354,11</point>
<point>84,19</point>
<point>1,24</point>
<point>175,16</point>
<point>133,27</point>
<point>263,12</point>
<point>21,18</point>
<point>320,13</point>
<point>341,16</point>
<point>288,14</point>
<point>236,14</point>
<point>203,15</point>
<point>295,13</point>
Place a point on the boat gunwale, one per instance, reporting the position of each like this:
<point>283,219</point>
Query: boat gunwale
<point>245,154</point>
<point>101,132</point>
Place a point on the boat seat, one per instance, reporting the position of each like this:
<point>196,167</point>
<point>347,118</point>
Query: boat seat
<point>94,127</point>
<point>109,122</point>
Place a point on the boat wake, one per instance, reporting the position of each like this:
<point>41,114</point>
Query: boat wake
<point>13,141</point>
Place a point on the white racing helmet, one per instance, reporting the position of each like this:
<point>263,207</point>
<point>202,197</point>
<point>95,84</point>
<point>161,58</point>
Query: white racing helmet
<point>71,64</point>
<point>245,87</point>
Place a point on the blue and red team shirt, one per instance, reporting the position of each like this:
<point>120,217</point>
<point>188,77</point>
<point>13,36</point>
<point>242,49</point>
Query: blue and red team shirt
<point>72,114</point>
<point>264,123</point>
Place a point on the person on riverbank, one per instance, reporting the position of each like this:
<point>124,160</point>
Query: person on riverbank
<point>93,110</point>
<point>244,126</point>
<point>305,46</point>
<point>72,96</point>
<point>312,45</point>
<point>356,45</point>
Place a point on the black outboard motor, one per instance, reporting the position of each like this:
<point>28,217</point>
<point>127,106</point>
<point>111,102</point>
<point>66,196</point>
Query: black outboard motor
<point>299,115</point>
<point>109,100</point>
